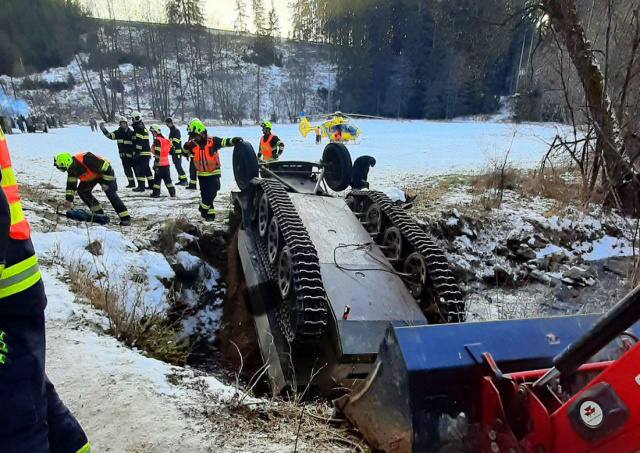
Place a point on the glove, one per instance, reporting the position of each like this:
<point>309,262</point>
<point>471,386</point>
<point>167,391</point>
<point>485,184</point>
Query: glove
<point>236,140</point>
<point>67,204</point>
<point>4,349</point>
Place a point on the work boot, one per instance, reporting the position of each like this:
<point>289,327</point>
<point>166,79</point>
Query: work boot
<point>131,185</point>
<point>172,192</point>
<point>139,189</point>
<point>183,183</point>
<point>209,217</point>
<point>155,194</point>
<point>192,187</point>
<point>125,222</point>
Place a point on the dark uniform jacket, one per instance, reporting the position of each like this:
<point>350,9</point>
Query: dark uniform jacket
<point>124,137</point>
<point>94,163</point>
<point>176,140</point>
<point>141,140</point>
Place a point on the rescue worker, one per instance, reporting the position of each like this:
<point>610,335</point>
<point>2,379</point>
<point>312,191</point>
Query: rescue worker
<point>176,151</point>
<point>142,153</point>
<point>360,172</point>
<point>91,170</point>
<point>33,418</point>
<point>124,137</point>
<point>161,151</point>
<point>193,174</point>
<point>204,151</point>
<point>271,147</point>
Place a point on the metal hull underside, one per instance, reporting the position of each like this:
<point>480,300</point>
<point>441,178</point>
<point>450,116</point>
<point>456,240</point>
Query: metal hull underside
<point>357,275</point>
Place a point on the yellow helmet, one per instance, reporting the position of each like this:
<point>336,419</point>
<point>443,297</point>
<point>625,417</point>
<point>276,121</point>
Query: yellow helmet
<point>63,161</point>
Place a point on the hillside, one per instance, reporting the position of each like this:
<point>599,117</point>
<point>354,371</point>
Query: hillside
<point>230,83</point>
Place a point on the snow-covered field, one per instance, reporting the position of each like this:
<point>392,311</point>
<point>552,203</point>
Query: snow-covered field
<point>403,149</point>
<point>122,396</point>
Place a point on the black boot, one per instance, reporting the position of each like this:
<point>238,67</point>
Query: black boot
<point>125,222</point>
<point>172,192</point>
<point>192,187</point>
<point>183,183</point>
<point>155,194</point>
<point>131,184</point>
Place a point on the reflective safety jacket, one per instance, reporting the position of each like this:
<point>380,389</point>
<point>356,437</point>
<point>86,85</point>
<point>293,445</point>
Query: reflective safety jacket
<point>141,140</point>
<point>270,147</point>
<point>161,150</point>
<point>18,263</point>
<point>207,159</point>
<point>124,137</point>
<point>176,140</point>
<point>87,167</point>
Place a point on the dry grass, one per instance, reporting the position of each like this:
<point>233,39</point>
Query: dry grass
<point>40,194</point>
<point>558,185</point>
<point>130,319</point>
<point>432,193</point>
<point>167,237</point>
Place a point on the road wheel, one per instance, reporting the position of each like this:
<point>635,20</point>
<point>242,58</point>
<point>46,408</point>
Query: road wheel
<point>338,166</point>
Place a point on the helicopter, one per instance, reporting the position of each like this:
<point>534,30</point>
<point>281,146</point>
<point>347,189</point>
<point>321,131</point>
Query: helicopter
<point>338,127</point>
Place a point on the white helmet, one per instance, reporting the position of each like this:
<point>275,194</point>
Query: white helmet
<point>136,116</point>
<point>156,129</point>
<point>123,119</point>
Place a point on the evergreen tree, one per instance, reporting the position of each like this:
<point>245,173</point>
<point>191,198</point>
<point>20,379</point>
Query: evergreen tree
<point>241,22</point>
<point>259,19</point>
<point>185,12</point>
<point>273,27</point>
<point>39,34</point>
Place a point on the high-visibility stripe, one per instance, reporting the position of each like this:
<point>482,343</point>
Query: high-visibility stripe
<point>105,166</point>
<point>86,448</point>
<point>108,177</point>
<point>72,179</point>
<point>17,215</point>
<point>20,267</point>
<point>19,277</point>
<point>123,214</point>
<point>127,142</point>
<point>210,173</point>
<point>8,177</point>
<point>12,193</point>
<point>70,192</point>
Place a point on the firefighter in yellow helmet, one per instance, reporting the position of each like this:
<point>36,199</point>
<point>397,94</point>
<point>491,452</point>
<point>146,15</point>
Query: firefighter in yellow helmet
<point>33,418</point>
<point>271,147</point>
<point>204,152</point>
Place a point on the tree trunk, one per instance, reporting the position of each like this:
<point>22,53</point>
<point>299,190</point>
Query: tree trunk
<point>610,144</point>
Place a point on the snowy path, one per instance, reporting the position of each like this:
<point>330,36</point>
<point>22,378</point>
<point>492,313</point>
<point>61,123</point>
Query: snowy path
<point>121,398</point>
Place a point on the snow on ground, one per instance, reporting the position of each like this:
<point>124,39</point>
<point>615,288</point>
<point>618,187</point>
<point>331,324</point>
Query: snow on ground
<point>403,149</point>
<point>119,261</point>
<point>125,401</point>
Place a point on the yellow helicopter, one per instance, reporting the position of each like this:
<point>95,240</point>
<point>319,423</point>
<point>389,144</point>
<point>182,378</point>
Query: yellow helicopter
<point>337,127</point>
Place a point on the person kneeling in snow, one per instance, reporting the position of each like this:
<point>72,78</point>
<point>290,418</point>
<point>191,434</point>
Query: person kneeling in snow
<point>91,170</point>
<point>161,151</point>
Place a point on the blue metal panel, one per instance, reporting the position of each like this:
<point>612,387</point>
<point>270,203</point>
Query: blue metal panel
<point>512,343</point>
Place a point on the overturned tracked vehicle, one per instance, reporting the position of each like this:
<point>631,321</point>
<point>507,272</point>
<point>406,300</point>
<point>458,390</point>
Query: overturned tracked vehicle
<point>326,275</point>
